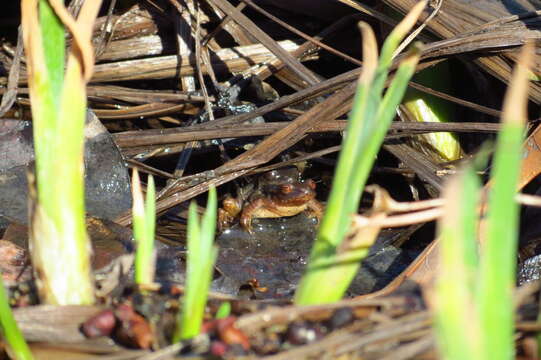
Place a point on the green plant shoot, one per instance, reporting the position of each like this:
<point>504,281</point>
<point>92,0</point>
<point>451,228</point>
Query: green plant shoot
<point>10,331</point>
<point>202,255</point>
<point>499,260</point>
<point>474,298</point>
<point>58,102</point>
<point>144,224</point>
<point>455,310</point>
<point>331,269</point>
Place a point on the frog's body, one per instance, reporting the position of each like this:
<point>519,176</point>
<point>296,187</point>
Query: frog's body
<point>278,193</point>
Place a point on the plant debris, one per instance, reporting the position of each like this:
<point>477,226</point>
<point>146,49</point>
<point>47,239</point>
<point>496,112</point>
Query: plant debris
<point>212,93</point>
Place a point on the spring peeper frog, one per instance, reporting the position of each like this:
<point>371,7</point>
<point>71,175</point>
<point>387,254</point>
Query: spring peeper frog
<point>278,193</point>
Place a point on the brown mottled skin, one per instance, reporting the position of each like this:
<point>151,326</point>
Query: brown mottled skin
<point>279,193</point>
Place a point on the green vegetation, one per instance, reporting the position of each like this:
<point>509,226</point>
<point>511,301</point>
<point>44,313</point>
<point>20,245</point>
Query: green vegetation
<point>144,224</point>
<point>474,294</point>
<point>474,307</point>
<point>199,268</point>
<point>58,110</point>
<point>10,331</point>
<point>224,310</point>
<point>333,262</point>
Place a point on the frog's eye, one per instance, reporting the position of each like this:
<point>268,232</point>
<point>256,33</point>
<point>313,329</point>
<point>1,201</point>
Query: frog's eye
<point>286,188</point>
<point>311,184</point>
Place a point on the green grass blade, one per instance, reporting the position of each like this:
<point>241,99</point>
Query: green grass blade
<point>10,330</point>
<point>54,47</point>
<point>208,222</point>
<point>456,316</point>
<point>393,41</point>
<point>68,184</point>
<point>320,274</point>
<point>144,222</point>
<point>200,266</point>
<point>328,273</point>
<point>150,214</point>
<point>344,197</point>
<point>138,215</point>
<point>49,83</point>
<point>341,204</point>
<point>224,310</point>
<point>498,264</point>
<point>385,114</point>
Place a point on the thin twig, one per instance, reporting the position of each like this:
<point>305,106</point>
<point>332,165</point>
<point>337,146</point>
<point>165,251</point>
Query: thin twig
<point>414,34</point>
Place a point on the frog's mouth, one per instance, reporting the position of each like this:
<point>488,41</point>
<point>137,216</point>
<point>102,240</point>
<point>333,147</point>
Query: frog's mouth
<point>295,198</point>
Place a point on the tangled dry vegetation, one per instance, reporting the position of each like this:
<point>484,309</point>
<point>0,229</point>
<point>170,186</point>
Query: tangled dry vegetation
<point>212,93</point>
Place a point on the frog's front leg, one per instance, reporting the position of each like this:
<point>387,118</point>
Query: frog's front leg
<point>261,207</point>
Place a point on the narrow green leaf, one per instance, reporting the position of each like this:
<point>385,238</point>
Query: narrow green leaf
<point>366,130</point>
<point>498,264</point>
<point>144,222</point>
<point>10,330</point>
<point>392,42</point>
<point>150,213</point>
<point>54,47</point>
<point>457,319</point>
<point>224,310</point>
<point>208,223</point>
<point>336,220</point>
<point>202,255</point>
<point>49,84</point>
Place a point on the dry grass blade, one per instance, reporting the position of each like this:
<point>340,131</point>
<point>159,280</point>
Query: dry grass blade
<point>421,269</point>
<point>370,11</point>
<point>186,193</point>
<point>225,60</point>
<point>311,46</point>
<point>139,96</point>
<point>417,31</point>
<point>346,342</point>
<point>515,104</point>
<point>147,110</point>
<point>34,52</point>
<point>311,42</point>
<point>486,25</point>
<point>424,166</point>
<point>370,54</point>
<point>299,69</point>
<point>54,323</point>
<point>329,109</point>
<point>9,97</point>
<point>131,139</point>
<point>138,47</point>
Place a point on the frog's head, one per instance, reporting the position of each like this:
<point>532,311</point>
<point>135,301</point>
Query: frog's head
<point>292,194</point>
